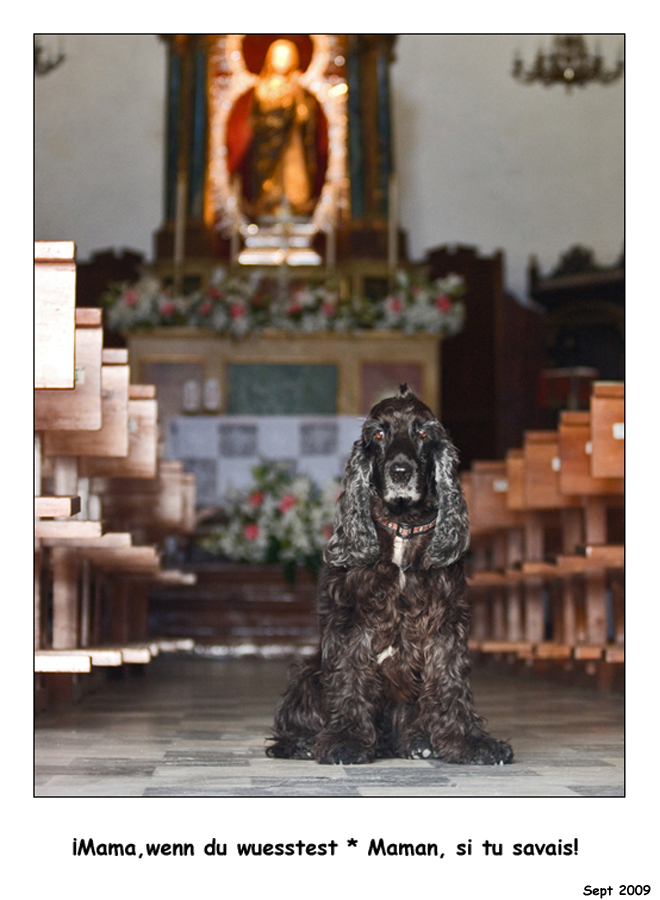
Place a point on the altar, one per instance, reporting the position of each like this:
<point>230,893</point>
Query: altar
<point>299,397</point>
<point>274,372</point>
<point>222,451</point>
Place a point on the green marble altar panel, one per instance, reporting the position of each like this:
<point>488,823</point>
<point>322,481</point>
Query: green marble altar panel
<point>281,389</point>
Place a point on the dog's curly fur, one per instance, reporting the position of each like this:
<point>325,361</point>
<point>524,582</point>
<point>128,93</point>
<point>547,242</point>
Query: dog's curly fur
<point>391,674</point>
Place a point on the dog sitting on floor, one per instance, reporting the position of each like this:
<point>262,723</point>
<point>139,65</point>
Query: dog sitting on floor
<point>391,674</point>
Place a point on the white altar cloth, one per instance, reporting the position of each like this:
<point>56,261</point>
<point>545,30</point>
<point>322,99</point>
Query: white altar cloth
<point>221,450</point>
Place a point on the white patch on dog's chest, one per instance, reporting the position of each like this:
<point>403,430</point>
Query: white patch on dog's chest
<point>398,554</point>
<point>384,654</point>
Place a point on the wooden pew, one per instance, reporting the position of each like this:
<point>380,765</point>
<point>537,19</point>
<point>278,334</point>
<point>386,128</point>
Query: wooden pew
<point>78,409</point>
<point>584,536</point>
<point>536,511</point>
<point>141,459</point>
<point>93,423</point>
<point>552,522</point>
<point>607,430</point>
<point>56,507</point>
<point>72,410</point>
<point>111,439</point>
<point>496,532</point>
<point>598,566</point>
<point>120,440</point>
<point>568,558</point>
<point>152,508</point>
<point>54,315</point>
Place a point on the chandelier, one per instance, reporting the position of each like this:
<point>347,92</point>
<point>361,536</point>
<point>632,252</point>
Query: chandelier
<point>44,61</point>
<point>569,63</point>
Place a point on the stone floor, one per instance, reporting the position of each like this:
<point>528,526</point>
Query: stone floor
<point>197,726</point>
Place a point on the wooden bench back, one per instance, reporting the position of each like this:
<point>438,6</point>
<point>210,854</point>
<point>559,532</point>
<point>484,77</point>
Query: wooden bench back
<point>54,314</point>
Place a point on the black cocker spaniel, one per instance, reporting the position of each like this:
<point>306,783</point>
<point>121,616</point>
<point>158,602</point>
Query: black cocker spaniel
<point>391,674</point>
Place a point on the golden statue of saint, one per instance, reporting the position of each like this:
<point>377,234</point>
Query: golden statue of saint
<point>282,169</point>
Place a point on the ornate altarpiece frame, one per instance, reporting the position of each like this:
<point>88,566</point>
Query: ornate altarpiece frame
<point>229,78</point>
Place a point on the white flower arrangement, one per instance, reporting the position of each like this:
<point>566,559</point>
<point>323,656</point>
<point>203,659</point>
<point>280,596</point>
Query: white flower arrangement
<point>241,305</point>
<point>418,305</point>
<point>280,519</point>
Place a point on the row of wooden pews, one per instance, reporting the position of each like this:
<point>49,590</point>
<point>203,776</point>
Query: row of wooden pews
<point>547,558</point>
<point>104,501</point>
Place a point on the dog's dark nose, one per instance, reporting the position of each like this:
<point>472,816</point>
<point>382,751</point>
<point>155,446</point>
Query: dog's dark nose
<point>400,471</point>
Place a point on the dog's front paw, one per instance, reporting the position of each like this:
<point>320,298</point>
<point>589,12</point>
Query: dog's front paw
<point>285,748</point>
<point>484,750</point>
<point>420,748</point>
<point>347,751</point>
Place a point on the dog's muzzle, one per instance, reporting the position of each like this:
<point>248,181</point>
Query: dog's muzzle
<point>401,481</point>
<point>400,472</point>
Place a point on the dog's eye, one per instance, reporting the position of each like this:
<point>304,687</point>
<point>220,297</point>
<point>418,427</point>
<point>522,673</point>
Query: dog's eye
<point>422,435</point>
<point>379,434</point>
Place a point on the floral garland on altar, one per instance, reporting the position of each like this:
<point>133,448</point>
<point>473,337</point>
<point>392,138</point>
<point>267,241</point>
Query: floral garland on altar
<point>281,518</point>
<point>237,306</point>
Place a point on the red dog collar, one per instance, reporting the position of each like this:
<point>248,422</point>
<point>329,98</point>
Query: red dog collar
<point>401,529</point>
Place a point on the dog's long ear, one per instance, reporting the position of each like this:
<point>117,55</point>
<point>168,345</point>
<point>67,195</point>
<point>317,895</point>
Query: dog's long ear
<point>451,537</point>
<point>354,542</point>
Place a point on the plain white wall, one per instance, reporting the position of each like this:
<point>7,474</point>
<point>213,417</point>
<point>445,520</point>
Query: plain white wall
<point>99,143</point>
<point>481,160</point>
<point>487,161</point>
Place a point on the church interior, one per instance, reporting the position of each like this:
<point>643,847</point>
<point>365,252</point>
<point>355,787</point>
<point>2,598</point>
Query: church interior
<point>244,242</point>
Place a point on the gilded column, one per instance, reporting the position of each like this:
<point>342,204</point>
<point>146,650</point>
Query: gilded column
<point>369,57</point>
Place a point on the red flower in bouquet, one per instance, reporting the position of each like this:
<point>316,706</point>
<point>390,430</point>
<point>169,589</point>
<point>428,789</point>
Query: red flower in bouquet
<point>287,502</point>
<point>251,531</point>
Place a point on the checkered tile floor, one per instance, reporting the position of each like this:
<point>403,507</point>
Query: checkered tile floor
<point>197,727</point>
